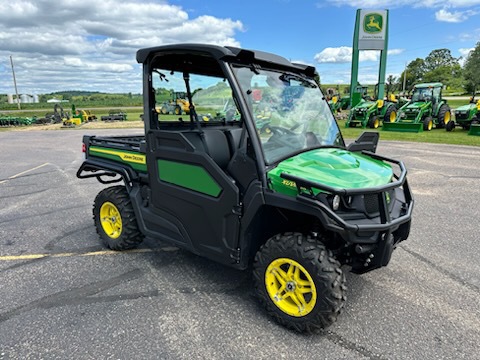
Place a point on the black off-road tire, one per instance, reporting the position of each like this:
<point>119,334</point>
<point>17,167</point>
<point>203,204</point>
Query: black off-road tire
<point>391,110</point>
<point>321,266</point>
<point>373,122</point>
<point>427,123</point>
<point>442,113</point>
<point>117,199</point>
<point>450,126</point>
<point>177,110</point>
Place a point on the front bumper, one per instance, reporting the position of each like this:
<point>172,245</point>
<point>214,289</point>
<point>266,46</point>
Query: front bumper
<point>368,240</point>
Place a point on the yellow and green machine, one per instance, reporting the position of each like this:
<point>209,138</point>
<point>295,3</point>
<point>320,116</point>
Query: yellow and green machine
<point>293,202</point>
<point>425,109</point>
<point>468,116</point>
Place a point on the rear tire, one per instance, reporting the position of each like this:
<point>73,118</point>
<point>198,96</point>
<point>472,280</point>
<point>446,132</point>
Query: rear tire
<point>299,282</point>
<point>444,116</point>
<point>115,219</point>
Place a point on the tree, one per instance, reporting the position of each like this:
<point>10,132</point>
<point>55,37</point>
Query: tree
<point>439,58</point>
<point>441,66</point>
<point>415,71</point>
<point>447,75</point>
<point>471,70</point>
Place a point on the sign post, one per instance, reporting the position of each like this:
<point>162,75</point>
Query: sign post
<point>371,33</point>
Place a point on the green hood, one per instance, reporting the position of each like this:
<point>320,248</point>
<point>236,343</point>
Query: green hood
<point>337,168</point>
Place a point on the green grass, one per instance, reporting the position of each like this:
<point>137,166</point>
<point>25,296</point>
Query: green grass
<point>437,136</point>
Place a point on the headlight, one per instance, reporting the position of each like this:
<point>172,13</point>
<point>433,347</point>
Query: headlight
<point>336,202</point>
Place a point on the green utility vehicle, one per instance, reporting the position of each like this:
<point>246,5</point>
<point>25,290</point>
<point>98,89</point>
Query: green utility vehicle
<point>468,116</point>
<point>425,109</point>
<point>293,202</point>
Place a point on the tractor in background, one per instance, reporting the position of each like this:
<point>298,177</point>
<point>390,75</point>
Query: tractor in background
<point>177,104</point>
<point>78,117</point>
<point>338,103</point>
<point>468,116</point>
<point>425,109</point>
<point>371,112</point>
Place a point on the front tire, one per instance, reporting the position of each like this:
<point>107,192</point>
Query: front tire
<point>299,282</point>
<point>450,126</point>
<point>373,122</point>
<point>115,219</point>
<point>390,114</point>
<point>427,123</point>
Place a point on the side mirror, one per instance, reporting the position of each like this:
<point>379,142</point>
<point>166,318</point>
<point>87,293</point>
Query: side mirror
<point>367,141</point>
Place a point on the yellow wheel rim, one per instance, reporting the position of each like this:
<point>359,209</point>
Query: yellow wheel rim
<point>447,117</point>
<point>393,116</point>
<point>430,125</point>
<point>111,220</point>
<point>376,124</point>
<point>290,287</point>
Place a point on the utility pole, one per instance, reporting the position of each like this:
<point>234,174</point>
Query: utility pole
<point>15,83</point>
<point>404,79</point>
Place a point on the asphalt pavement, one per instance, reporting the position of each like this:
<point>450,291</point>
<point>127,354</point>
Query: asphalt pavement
<point>63,296</point>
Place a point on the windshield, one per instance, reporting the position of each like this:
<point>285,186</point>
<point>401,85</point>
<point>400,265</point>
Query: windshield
<point>291,115</point>
<point>422,94</point>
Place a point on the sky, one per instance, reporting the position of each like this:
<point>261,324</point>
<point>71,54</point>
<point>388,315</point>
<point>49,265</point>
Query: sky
<point>91,45</point>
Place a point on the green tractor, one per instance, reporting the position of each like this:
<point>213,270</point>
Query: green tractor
<point>425,109</point>
<point>338,103</point>
<point>370,112</point>
<point>468,116</point>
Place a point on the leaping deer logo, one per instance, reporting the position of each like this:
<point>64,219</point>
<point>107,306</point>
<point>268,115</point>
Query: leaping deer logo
<point>375,23</point>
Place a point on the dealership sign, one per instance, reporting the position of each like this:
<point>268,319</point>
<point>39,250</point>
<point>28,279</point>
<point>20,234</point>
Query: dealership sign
<point>372,29</point>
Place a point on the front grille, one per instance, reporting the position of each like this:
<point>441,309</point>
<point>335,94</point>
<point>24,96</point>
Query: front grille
<point>371,203</point>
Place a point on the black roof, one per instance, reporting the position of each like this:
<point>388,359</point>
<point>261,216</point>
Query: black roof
<point>226,53</point>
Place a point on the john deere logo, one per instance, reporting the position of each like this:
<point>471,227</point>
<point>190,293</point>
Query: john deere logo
<point>373,23</point>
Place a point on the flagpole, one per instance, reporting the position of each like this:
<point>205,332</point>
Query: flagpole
<point>15,83</point>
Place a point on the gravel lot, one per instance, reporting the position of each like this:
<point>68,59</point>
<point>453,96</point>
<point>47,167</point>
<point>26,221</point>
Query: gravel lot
<point>63,296</point>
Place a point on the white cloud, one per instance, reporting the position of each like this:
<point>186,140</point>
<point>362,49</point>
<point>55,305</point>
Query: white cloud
<point>454,17</point>
<point>93,43</point>
<point>465,52</point>
<point>343,54</point>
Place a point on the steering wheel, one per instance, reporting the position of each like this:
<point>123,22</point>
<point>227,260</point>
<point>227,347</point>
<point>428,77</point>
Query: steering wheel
<point>285,137</point>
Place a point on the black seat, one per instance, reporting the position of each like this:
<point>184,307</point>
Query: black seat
<point>233,136</point>
<point>214,143</point>
<point>217,147</point>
